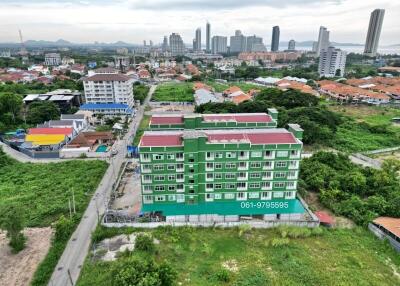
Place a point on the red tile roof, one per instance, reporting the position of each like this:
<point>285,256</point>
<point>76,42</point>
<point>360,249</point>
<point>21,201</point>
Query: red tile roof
<point>239,117</point>
<point>107,77</point>
<point>45,131</point>
<point>166,119</point>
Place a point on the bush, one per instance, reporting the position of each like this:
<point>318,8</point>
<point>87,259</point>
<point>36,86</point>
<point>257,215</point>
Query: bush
<point>144,242</point>
<point>17,242</point>
<point>223,275</point>
<point>279,242</point>
<point>252,278</point>
<point>294,232</point>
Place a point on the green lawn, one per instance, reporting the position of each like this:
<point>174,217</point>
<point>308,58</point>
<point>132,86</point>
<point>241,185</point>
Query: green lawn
<point>174,92</point>
<point>334,257</point>
<point>144,124</point>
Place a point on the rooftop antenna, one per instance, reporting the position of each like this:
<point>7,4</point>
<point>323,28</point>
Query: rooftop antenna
<point>23,49</point>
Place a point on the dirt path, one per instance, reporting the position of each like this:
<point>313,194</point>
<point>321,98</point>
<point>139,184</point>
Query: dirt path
<point>18,269</point>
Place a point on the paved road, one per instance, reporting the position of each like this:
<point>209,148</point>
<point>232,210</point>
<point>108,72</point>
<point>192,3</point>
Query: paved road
<point>68,267</point>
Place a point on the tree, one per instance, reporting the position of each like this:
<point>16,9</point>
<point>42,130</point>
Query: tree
<point>42,111</point>
<point>135,271</point>
<point>12,220</point>
<point>11,104</point>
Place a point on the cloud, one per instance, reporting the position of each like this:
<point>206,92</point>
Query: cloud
<point>221,4</point>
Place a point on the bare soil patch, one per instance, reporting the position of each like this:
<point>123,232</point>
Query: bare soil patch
<point>18,269</point>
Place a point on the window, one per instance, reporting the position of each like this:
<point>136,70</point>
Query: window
<point>230,186</point>
<point>158,167</point>
<point>210,166</point>
<point>243,166</point>
<point>179,188</point>
<point>148,199</point>
<point>219,155</point>
<point>256,154</point>
<point>289,195</point>
<point>218,166</point>
<point>281,164</point>
<point>243,155</point>
<point>229,196</point>
<point>147,189</point>
<point>266,185</point>
<point>170,156</point>
<point>242,176</point>
<point>268,165</point>
<point>218,186</point>
<point>146,168</point>
<point>254,195</point>
<point>180,198</point>
<point>230,154</point>
<point>209,155</point>
<point>179,167</point>
<point>266,175</point>
<point>145,157</point>
<point>294,153</point>
<point>269,154</point>
<point>191,181</point>
<point>254,185</point>
<point>210,176</point>
<point>179,156</point>
<point>278,194</point>
<point>292,175</point>
<point>209,187</point>
<point>158,157</point>
<point>159,198</point>
<point>290,185</point>
<point>255,165</point>
<point>171,188</point>
<point>218,176</point>
<point>217,196</point>
<point>159,188</point>
<point>209,197</point>
<point>230,165</point>
<point>159,178</point>
<point>147,178</point>
<point>255,175</point>
<point>241,196</point>
<point>171,167</point>
<point>241,185</point>
<point>191,160</point>
<point>282,154</point>
<point>279,185</point>
<point>230,176</point>
<point>280,175</point>
<point>266,195</point>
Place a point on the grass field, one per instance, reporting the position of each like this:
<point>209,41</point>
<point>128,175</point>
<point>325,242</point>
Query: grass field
<point>43,190</point>
<point>144,123</point>
<point>219,87</point>
<point>174,92</point>
<point>263,257</point>
<point>366,128</point>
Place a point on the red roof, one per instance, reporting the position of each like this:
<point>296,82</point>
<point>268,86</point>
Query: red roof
<point>166,119</point>
<point>161,140</point>
<point>175,138</point>
<point>324,217</point>
<point>44,131</point>
<point>239,117</point>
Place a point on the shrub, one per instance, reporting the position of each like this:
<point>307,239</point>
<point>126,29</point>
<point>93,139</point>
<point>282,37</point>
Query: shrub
<point>294,232</point>
<point>252,278</point>
<point>144,242</point>
<point>279,242</point>
<point>223,275</point>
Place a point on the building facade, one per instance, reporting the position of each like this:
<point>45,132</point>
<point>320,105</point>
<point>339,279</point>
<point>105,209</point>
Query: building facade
<point>238,42</point>
<point>219,45</point>
<point>255,44</point>
<point>374,32</point>
<point>197,40</point>
<point>208,37</point>
<point>107,86</point>
<point>323,40</point>
<point>275,39</point>
<point>215,121</point>
<point>332,62</point>
<point>52,59</point>
<point>176,45</point>
<point>292,45</point>
<point>221,173</point>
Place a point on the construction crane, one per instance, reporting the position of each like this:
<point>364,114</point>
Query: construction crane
<point>23,51</point>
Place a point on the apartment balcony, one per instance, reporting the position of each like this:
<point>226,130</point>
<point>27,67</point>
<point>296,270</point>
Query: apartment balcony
<point>242,178</point>
<point>181,190</point>
<point>180,180</point>
<point>146,170</point>
<point>180,159</point>
<point>243,168</point>
<point>242,188</point>
<point>145,159</point>
<point>294,166</point>
<point>180,169</point>
<point>147,181</point>
<point>295,156</point>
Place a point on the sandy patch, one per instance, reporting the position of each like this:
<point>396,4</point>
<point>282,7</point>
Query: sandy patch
<point>18,269</point>
<point>231,265</point>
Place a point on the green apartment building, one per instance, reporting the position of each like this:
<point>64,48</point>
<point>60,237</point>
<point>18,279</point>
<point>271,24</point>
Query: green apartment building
<point>221,174</point>
<point>215,121</point>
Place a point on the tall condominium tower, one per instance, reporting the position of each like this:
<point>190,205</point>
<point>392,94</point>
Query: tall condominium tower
<point>219,45</point>
<point>292,45</point>
<point>238,42</point>
<point>275,39</point>
<point>208,37</point>
<point>374,32</point>
<point>323,40</point>
<point>165,44</point>
<point>197,42</point>
<point>176,44</point>
<point>254,44</point>
<point>332,62</point>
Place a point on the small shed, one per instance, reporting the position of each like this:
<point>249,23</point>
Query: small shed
<point>324,218</point>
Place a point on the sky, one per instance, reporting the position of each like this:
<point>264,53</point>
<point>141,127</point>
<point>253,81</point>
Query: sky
<point>132,21</point>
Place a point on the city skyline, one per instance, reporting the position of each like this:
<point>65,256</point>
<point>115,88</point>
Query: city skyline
<point>89,21</point>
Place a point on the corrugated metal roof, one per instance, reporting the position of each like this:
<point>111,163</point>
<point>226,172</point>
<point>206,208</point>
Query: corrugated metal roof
<point>390,223</point>
<point>90,106</point>
<point>48,131</point>
<point>45,139</point>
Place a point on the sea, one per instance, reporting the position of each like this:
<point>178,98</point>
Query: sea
<point>385,50</point>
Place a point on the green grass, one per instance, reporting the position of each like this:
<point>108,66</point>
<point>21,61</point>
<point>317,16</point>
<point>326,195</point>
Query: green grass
<point>264,257</point>
<point>144,124</point>
<point>179,92</point>
<point>42,191</point>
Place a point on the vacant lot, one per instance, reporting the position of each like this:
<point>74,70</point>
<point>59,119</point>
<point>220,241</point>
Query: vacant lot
<point>240,257</point>
<point>174,92</point>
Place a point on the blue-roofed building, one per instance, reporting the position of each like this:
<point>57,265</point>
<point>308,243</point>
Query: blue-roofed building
<point>108,109</point>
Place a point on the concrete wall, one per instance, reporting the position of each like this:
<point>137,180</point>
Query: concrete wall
<point>77,152</point>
